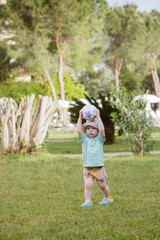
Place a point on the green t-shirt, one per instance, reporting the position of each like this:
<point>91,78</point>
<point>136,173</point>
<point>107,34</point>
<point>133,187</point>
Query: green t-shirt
<point>92,150</point>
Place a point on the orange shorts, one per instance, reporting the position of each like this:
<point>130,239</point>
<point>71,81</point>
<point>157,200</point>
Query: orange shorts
<point>98,173</point>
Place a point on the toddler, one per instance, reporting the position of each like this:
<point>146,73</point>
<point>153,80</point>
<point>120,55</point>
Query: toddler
<point>92,136</point>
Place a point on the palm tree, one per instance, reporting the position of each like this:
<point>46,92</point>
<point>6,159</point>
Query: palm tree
<point>105,107</point>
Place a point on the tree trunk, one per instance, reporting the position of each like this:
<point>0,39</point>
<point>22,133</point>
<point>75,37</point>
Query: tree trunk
<point>54,95</point>
<point>117,71</point>
<point>155,75</point>
<point>156,81</point>
<point>21,132</point>
<point>5,130</point>
<point>140,146</point>
<point>109,133</point>
<point>60,72</point>
<point>24,136</point>
<point>60,77</point>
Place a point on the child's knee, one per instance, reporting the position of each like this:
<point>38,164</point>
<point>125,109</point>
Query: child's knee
<point>88,183</point>
<point>102,184</point>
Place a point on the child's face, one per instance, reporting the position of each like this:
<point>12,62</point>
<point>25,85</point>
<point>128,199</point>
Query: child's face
<point>91,131</point>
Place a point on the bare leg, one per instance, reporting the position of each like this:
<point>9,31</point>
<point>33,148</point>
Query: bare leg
<point>88,182</point>
<point>103,186</point>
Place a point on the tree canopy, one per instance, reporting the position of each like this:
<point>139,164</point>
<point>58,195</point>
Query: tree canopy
<point>82,40</point>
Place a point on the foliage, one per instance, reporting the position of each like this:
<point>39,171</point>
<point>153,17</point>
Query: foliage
<point>152,48</point>
<point>143,54</point>
<point>4,61</point>
<point>133,120</point>
<point>18,90</point>
<point>91,33</point>
<point>122,26</point>
<point>36,23</point>
<point>152,43</point>
<point>105,108</point>
<point>72,88</point>
<point>97,81</point>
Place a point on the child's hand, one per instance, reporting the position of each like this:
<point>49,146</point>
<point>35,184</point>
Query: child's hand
<point>80,114</point>
<point>97,113</point>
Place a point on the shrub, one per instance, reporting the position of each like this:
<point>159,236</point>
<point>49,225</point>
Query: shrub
<point>133,120</point>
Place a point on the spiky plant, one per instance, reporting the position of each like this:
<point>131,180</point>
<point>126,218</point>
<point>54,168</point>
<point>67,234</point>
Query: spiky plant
<point>105,108</point>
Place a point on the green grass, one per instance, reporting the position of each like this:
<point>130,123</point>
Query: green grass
<point>58,134</point>
<point>40,199</point>
<point>75,147</point>
<point>155,133</point>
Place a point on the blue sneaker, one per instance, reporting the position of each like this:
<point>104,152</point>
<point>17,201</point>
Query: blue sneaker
<point>87,204</point>
<point>106,201</point>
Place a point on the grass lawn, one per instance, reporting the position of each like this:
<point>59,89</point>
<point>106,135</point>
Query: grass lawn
<point>58,134</point>
<point>75,147</point>
<point>40,199</point>
<point>156,132</point>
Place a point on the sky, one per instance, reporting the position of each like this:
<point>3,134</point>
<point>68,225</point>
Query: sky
<point>143,5</point>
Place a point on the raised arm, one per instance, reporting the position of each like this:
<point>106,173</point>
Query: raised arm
<point>100,124</point>
<point>79,125</point>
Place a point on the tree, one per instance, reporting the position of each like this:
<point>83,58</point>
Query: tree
<point>74,36</point>
<point>97,81</point>
<point>122,26</point>
<point>152,47</point>
<point>18,90</point>
<point>4,62</point>
<point>31,23</point>
<point>133,119</point>
<point>23,126</point>
<point>46,31</point>
<point>142,59</point>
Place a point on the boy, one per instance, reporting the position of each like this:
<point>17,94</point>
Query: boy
<point>92,136</point>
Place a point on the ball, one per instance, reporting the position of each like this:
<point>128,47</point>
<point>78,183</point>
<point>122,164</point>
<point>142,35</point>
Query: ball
<point>89,112</point>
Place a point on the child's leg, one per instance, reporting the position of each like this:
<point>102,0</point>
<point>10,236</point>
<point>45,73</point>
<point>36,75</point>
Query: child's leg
<point>103,186</point>
<point>88,183</point>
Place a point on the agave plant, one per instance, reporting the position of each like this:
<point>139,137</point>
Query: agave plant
<point>105,108</point>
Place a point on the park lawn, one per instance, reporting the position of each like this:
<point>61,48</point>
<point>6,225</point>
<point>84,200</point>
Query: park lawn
<point>73,147</point>
<point>156,132</point>
<point>40,199</point>
<point>58,133</point>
